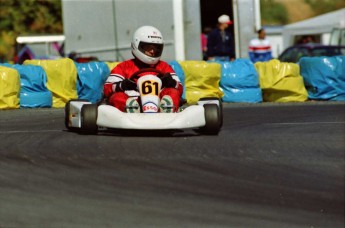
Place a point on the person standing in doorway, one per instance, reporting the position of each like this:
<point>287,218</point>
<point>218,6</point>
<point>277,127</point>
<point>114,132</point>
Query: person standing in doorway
<point>220,41</point>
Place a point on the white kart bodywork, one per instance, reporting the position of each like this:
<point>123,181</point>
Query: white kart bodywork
<point>111,117</point>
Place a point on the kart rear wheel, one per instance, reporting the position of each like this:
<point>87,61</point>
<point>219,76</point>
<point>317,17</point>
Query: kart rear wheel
<point>89,114</point>
<point>220,103</point>
<point>212,119</point>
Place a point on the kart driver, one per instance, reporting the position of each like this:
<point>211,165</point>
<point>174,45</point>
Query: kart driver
<point>147,46</point>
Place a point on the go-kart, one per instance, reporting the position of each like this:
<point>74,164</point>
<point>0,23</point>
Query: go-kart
<point>85,117</point>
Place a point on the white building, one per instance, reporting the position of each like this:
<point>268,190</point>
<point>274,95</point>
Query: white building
<point>274,35</point>
<point>320,27</point>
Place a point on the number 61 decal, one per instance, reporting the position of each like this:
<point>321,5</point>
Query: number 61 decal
<point>150,87</point>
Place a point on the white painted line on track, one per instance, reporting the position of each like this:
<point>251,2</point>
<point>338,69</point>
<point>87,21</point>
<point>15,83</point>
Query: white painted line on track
<point>304,123</point>
<point>28,131</point>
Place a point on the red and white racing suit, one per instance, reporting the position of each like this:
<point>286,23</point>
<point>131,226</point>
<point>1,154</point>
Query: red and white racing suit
<point>125,70</point>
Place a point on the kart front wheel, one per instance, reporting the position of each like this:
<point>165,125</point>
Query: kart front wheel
<point>213,119</point>
<point>89,114</point>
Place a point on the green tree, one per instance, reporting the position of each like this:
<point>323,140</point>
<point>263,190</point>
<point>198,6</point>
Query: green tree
<point>325,6</point>
<point>27,17</point>
<point>273,13</point>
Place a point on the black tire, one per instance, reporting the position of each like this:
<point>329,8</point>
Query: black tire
<point>213,119</point>
<point>89,114</point>
<point>221,113</point>
<point>67,110</point>
<point>220,107</point>
<point>67,113</point>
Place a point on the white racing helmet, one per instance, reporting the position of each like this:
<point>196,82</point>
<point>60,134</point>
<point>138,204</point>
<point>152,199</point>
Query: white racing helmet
<point>142,38</point>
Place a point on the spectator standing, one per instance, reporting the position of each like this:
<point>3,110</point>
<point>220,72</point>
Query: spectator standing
<point>260,48</point>
<point>203,38</point>
<point>220,41</point>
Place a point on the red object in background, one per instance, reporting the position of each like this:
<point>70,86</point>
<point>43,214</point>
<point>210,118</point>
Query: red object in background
<point>85,59</point>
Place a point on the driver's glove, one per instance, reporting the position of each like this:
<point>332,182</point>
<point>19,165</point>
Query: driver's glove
<point>168,81</point>
<point>127,84</point>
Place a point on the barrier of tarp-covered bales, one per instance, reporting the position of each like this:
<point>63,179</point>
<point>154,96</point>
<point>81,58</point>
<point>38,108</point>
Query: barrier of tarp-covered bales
<point>281,82</point>
<point>201,80</point>
<point>62,79</point>
<point>9,88</point>
<point>235,81</point>
<point>240,82</point>
<point>33,90</point>
<point>324,77</point>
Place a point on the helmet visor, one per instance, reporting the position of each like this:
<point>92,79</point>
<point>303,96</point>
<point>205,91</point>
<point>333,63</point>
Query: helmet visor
<point>151,49</point>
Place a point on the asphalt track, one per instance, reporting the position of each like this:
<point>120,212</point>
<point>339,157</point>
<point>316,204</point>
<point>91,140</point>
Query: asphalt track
<point>272,165</point>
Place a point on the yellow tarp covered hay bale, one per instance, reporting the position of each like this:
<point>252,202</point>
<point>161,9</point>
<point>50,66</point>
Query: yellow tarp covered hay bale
<point>201,80</point>
<point>281,82</point>
<point>9,88</point>
<point>111,65</point>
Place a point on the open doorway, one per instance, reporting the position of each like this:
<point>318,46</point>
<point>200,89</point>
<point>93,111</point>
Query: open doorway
<point>211,10</point>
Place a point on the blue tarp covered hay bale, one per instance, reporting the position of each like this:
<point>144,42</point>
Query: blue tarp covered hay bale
<point>324,77</point>
<point>240,82</point>
<point>90,80</point>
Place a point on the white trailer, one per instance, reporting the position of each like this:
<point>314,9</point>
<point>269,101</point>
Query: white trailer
<point>320,26</point>
<point>104,28</point>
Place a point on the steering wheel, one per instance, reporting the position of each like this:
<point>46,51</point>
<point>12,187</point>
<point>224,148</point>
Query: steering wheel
<point>136,74</point>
